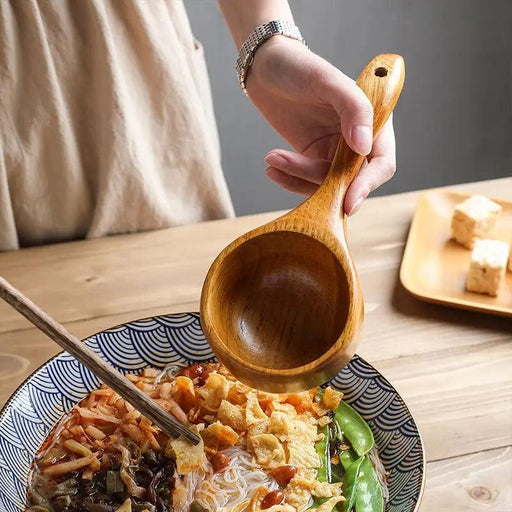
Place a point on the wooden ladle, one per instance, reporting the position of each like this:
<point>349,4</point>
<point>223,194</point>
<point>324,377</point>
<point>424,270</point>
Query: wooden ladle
<point>282,306</point>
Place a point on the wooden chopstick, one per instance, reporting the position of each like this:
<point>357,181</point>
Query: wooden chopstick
<point>107,374</point>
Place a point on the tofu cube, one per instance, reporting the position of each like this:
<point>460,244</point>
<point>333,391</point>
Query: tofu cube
<point>474,218</point>
<point>487,267</point>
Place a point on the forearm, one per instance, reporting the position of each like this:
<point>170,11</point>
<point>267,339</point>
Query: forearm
<point>243,15</point>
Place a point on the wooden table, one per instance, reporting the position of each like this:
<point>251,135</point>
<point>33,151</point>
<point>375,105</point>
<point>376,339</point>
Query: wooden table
<point>452,367</point>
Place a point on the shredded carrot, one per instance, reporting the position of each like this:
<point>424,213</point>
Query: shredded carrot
<point>113,399</point>
<point>99,444</point>
<point>105,461</point>
<point>133,432</point>
<point>96,415</point>
<point>152,440</point>
<point>75,447</point>
<point>151,372</point>
<point>145,423</point>
<point>95,465</point>
<point>172,407</point>
<point>133,415</point>
<point>105,409</point>
<point>102,392</point>
<point>69,466</point>
<point>87,474</point>
<point>102,400</point>
<point>144,447</point>
<point>166,390</point>
<point>66,434</point>
<point>77,430</point>
<point>144,386</point>
<point>95,432</point>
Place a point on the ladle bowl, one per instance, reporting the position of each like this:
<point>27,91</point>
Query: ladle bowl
<point>282,306</point>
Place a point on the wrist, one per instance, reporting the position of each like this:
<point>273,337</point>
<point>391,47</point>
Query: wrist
<point>275,62</point>
<point>243,16</point>
<point>258,37</point>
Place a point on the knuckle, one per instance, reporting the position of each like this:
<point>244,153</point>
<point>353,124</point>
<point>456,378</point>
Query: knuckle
<point>361,104</point>
<point>389,168</point>
<point>288,183</point>
<point>364,108</point>
<point>385,168</point>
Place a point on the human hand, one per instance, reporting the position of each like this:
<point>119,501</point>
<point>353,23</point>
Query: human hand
<point>309,102</point>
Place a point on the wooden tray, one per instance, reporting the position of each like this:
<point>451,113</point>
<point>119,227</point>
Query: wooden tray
<point>434,267</point>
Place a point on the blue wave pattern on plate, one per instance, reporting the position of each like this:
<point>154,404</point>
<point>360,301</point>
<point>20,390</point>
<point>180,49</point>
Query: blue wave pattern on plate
<point>62,382</point>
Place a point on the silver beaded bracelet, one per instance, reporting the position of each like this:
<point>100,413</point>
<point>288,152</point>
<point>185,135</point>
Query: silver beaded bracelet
<point>257,37</point>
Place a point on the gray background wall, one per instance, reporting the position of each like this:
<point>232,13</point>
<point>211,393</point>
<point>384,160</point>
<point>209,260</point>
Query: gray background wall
<point>454,120</point>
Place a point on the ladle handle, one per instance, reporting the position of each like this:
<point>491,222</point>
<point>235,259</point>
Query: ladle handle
<point>382,81</point>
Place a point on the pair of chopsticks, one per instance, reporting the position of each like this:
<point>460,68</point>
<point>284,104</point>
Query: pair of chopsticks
<point>58,333</point>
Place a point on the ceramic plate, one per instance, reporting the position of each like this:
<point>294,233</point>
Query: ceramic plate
<point>434,267</point>
<point>62,382</point>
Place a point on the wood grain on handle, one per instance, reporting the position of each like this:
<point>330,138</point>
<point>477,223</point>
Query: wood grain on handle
<point>382,81</point>
<point>58,333</point>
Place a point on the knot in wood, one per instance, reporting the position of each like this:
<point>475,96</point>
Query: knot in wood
<point>481,494</point>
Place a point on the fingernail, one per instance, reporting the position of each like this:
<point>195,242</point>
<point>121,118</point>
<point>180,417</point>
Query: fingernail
<point>276,160</point>
<point>356,206</point>
<point>362,139</point>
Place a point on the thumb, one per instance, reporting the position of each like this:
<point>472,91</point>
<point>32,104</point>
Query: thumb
<point>352,105</point>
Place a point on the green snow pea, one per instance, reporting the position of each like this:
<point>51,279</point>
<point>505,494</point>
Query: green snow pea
<point>354,428</point>
<point>336,473</point>
<point>350,486</point>
<point>368,490</point>
<point>336,441</point>
<point>324,474</point>
<point>324,451</point>
<point>347,457</point>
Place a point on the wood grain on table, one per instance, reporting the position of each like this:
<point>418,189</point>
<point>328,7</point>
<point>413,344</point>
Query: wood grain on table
<point>452,367</point>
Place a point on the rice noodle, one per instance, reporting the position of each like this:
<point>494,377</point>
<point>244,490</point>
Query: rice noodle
<point>171,370</point>
<point>229,487</point>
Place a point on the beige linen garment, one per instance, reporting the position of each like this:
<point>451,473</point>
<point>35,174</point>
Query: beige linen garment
<point>106,121</point>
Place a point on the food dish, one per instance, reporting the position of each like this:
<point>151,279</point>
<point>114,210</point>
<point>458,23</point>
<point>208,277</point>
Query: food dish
<point>62,383</point>
<point>286,452</point>
<point>435,267</point>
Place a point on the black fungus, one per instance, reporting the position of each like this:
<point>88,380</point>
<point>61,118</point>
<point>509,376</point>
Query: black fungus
<point>91,506</point>
<point>106,492</point>
<point>143,475</point>
<point>157,478</point>
<point>151,458</point>
<point>62,503</point>
<point>113,483</point>
<point>65,488</point>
